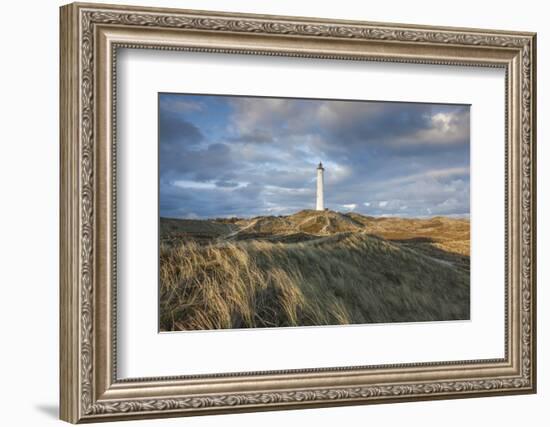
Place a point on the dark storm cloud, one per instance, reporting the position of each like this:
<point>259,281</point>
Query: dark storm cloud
<point>227,184</point>
<point>256,135</point>
<point>238,156</point>
<point>176,135</point>
<point>397,125</point>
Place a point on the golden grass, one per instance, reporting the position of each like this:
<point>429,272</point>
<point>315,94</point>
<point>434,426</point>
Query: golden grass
<point>448,234</point>
<point>338,279</point>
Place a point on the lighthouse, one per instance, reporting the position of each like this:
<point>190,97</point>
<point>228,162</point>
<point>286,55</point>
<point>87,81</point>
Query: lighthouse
<point>320,183</point>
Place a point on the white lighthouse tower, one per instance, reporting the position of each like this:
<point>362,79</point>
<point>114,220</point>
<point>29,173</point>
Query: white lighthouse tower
<point>320,183</point>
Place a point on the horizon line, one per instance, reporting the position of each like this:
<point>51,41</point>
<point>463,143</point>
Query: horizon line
<point>451,216</point>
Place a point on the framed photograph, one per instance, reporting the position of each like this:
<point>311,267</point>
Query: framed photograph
<point>266,212</point>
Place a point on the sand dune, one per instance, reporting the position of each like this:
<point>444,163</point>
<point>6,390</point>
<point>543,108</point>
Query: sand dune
<point>312,268</point>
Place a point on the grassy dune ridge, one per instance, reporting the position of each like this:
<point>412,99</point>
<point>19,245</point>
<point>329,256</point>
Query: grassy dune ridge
<point>312,268</point>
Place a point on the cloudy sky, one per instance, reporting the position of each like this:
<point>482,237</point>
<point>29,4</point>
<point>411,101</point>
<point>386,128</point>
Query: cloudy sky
<point>224,156</point>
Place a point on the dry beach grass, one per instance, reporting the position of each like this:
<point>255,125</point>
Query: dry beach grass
<point>312,268</point>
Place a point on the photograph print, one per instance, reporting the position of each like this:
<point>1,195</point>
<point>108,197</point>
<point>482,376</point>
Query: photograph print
<point>289,212</point>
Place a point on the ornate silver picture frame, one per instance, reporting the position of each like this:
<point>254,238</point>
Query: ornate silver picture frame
<point>91,36</point>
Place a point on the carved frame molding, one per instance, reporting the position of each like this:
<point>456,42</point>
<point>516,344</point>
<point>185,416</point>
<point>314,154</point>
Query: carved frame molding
<point>90,34</point>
